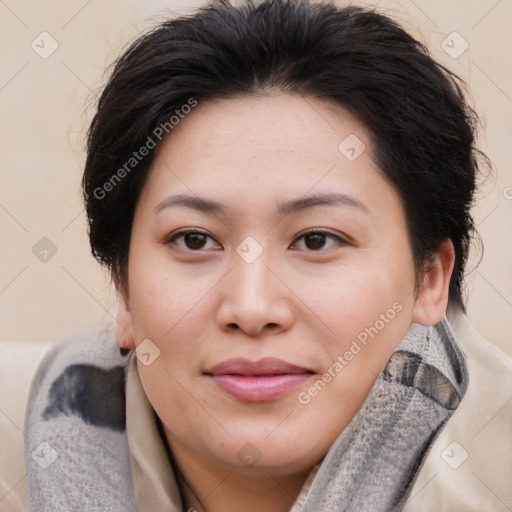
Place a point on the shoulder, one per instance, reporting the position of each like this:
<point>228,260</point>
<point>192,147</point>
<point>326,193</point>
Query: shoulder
<point>76,373</point>
<point>76,450</point>
<point>469,467</point>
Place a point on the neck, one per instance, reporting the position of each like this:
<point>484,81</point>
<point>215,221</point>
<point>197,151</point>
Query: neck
<point>232,492</point>
<point>206,487</point>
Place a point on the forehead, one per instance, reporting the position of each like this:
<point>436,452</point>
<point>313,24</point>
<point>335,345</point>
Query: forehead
<point>265,149</point>
<point>266,126</point>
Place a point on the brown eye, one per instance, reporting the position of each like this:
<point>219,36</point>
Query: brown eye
<point>190,240</point>
<point>194,240</point>
<point>315,240</point>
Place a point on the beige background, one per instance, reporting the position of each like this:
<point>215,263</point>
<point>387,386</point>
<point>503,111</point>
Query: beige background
<point>46,104</point>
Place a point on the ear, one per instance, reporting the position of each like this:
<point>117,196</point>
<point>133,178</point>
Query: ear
<point>124,328</point>
<point>432,301</point>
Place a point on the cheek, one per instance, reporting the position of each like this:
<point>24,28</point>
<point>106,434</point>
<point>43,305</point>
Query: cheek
<point>369,315</point>
<point>162,302</point>
<point>370,307</point>
<point>164,310</point>
<point>180,415</point>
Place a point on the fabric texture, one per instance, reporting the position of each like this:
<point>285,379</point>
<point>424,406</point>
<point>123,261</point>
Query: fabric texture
<point>76,449</point>
<point>93,440</point>
<point>374,462</point>
<point>469,467</point>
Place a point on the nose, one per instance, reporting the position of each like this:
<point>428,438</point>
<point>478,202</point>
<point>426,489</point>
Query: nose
<point>255,299</point>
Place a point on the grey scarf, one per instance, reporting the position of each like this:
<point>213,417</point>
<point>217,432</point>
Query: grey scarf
<point>372,465</point>
<point>77,452</point>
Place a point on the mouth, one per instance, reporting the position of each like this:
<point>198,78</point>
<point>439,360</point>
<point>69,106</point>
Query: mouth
<point>258,381</point>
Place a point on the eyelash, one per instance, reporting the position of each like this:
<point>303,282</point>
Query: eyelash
<point>314,231</point>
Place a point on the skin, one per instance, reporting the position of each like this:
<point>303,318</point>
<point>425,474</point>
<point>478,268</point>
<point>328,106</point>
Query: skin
<point>301,300</point>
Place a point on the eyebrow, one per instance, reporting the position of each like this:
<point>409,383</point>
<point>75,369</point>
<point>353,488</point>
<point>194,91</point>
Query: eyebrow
<point>285,208</point>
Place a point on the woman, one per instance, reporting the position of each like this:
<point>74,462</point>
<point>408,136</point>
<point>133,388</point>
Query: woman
<point>281,192</point>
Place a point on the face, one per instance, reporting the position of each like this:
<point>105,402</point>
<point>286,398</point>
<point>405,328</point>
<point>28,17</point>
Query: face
<point>270,266</point>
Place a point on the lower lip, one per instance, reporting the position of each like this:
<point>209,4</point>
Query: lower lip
<point>259,389</point>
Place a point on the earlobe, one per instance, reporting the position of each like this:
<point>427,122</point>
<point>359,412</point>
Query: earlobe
<point>432,302</point>
<point>124,329</point>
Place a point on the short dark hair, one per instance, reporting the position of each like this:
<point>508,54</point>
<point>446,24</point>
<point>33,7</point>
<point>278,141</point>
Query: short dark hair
<point>423,130</point>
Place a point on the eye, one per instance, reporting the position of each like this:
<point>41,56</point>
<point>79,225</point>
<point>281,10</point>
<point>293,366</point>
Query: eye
<point>315,239</point>
<point>193,239</point>
<point>196,241</point>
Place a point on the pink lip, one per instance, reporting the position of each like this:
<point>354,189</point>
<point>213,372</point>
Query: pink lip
<point>266,379</point>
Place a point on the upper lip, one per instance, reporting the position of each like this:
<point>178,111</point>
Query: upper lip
<point>265,366</point>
